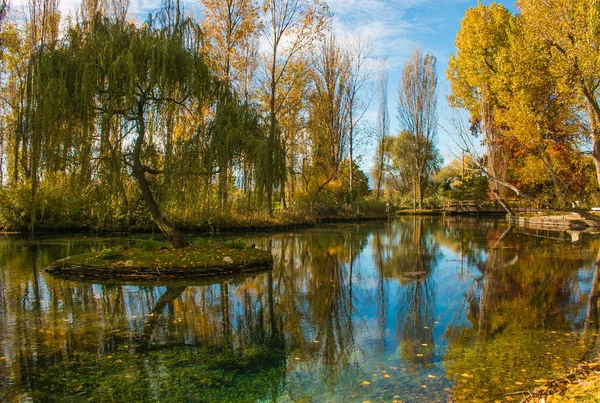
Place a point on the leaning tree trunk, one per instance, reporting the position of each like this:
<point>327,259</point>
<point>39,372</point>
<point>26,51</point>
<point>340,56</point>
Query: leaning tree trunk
<point>139,172</point>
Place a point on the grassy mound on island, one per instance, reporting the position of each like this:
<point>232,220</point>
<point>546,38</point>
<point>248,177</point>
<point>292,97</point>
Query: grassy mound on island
<point>149,260</point>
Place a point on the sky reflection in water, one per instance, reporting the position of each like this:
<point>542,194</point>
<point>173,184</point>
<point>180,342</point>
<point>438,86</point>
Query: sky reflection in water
<point>417,310</point>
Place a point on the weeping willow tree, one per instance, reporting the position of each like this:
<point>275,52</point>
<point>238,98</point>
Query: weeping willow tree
<point>122,100</point>
<point>109,123</point>
<point>122,77</point>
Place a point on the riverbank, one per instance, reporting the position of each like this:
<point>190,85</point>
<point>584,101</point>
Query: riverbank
<point>219,222</point>
<point>556,221</point>
<point>580,385</point>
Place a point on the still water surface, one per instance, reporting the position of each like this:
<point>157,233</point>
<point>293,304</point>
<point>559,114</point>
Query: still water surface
<point>416,310</point>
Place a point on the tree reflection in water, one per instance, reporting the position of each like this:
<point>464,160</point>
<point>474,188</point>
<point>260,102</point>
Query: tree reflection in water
<point>467,305</point>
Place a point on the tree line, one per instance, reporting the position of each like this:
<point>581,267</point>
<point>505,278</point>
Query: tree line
<point>259,108</point>
<point>106,122</point>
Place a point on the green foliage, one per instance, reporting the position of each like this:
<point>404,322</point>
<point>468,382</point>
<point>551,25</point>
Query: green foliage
<point>461,180</point>
<point>341,186</point>
<point>108,253</point>
<point>234,244</point>
<point>148,244</point>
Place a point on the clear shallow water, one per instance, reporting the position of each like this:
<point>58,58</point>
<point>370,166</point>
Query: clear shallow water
<point>417,310</point>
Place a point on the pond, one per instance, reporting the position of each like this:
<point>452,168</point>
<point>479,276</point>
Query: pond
<point>414,310</point>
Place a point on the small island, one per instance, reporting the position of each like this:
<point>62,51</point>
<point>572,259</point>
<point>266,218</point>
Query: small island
<point>146,261</point>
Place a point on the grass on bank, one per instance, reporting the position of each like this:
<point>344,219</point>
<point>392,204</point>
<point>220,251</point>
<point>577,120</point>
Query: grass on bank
<point>155,259</point>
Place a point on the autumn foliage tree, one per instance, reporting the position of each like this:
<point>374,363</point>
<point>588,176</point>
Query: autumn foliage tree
<point>523,78</point>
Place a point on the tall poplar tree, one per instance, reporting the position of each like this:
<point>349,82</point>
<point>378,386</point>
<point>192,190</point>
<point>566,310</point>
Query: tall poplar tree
<point>290,28</point>
<point>383,127</point>
<point>417,113</point>
<point>328,122</point>
<point>481,44</point>
<point>230,28</point>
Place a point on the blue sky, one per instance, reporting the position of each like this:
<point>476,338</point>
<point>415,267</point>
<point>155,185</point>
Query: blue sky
<point>395,28</point>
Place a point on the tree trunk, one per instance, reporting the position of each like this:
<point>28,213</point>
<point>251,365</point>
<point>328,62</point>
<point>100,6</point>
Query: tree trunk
<point>594,120</point>
<point>421,190</point>
<point>351,140</point>
<point>223,184</point>
<point>414,194</point>
<point>139,172</point>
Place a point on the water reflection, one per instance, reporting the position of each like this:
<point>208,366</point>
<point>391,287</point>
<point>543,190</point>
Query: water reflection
<point>419,309</point>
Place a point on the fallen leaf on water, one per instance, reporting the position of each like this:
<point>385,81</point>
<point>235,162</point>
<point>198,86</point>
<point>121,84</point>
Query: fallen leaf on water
<point>386,376</point>
<point>366,383</point>
<point>419,355</point>
<point>431,376</point>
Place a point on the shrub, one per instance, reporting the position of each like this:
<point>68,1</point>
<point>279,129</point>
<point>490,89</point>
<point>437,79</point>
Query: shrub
<point>148,244</point>
<point>234,244</point>
<point>107,253</point>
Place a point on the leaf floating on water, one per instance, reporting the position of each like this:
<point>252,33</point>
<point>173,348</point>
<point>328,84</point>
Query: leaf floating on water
<point>424,345</point>
<point>540,381</point>
<point>518,383</point>
<point>431,376</point>
<point>366,383</point>
<point>419,355</point>
<point>466,376</point>
<point>386,376</point>
<point>424,386</point>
